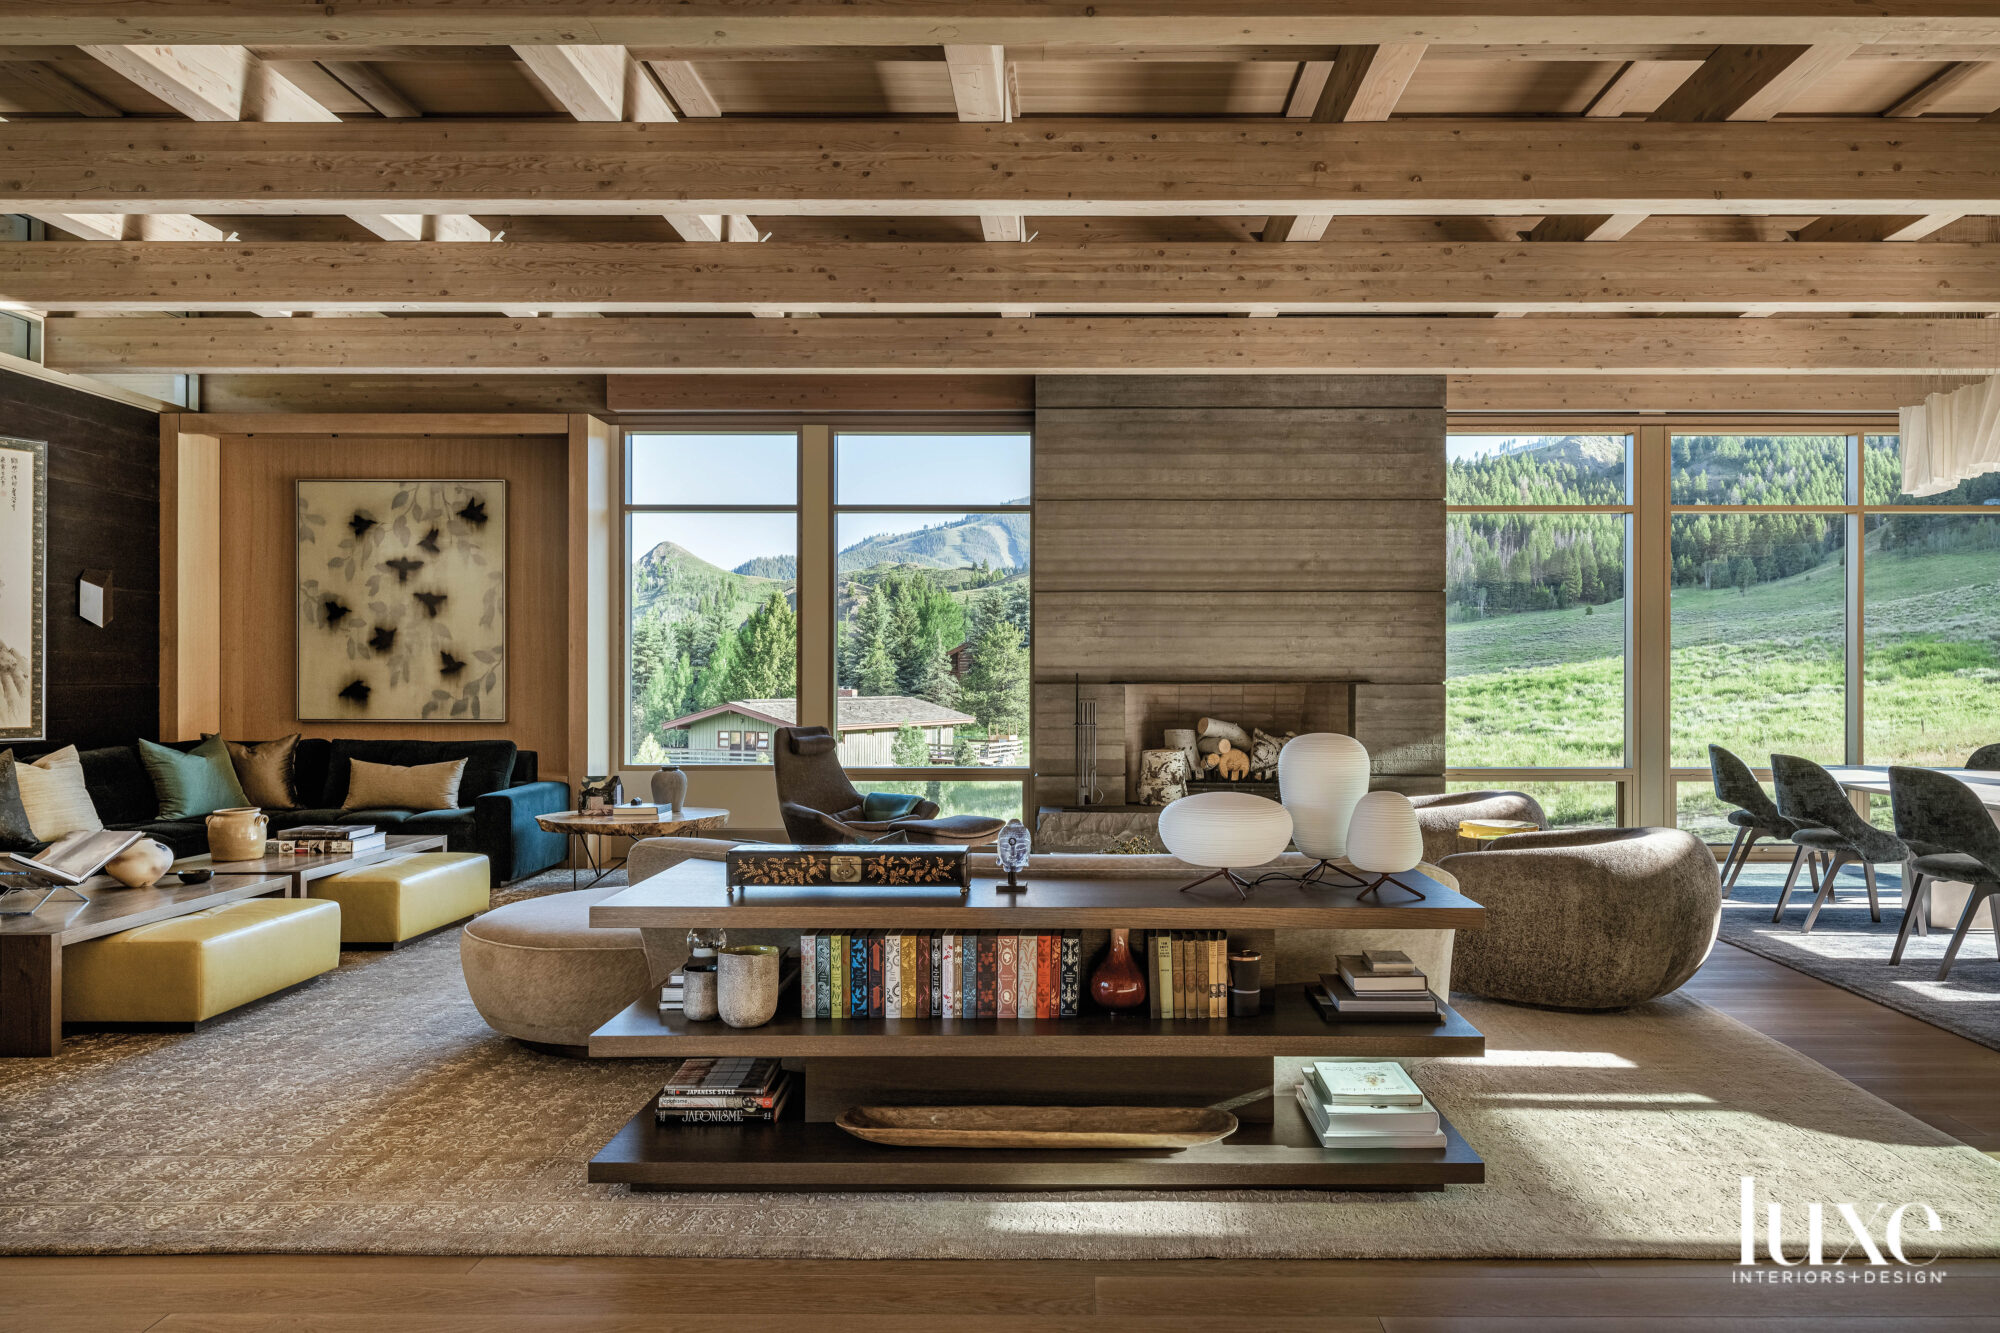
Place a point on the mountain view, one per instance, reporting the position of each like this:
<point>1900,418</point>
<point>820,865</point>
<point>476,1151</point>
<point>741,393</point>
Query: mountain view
<point>703,635</point>
<point>1536,617</point>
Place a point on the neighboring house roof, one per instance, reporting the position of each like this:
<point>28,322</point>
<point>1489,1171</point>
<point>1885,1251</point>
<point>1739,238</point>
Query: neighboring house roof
<point>866,712</point>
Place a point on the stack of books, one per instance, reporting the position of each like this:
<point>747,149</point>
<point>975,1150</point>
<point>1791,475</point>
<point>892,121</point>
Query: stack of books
<point>636,810</point>
<point>1377,984</point>
<point>893,974</point>
<point>724,1090</point>
<point>1187,973</point>
<point>1367,1105</point>
<point>327,839</point>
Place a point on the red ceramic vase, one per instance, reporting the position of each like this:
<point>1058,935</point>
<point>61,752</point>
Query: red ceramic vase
<point>1118,983</point>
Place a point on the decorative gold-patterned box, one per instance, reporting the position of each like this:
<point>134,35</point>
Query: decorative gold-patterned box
<point>861,865</point>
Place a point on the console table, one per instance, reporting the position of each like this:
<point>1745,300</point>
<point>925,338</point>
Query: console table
<point>31,945</point>
<point>1094,1059</point>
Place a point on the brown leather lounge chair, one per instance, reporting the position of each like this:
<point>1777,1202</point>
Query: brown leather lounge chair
<point>820,805</point>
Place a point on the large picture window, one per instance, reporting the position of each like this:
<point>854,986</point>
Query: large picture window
<point>933,628</point>
<point>712,634</point>
<point>1535,634</point>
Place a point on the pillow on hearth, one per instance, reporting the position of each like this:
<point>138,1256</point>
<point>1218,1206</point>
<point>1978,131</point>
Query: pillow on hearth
<point>1264,749</point>
<point>16,833</point>
<point>396,787</point>
<point>194,783</point>
<point>55,797</point>
<point>266,768</point>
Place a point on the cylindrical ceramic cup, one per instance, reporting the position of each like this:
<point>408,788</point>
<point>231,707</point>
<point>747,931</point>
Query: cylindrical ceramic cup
<point>698,999</point>
<point>747,984</point>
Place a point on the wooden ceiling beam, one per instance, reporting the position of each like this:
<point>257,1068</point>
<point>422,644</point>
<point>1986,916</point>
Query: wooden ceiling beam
<point>43,77</point>
<point>1908,227</point>
<point>1736,83</point>
<point>1069,167</point>
<point>1361,83</point>
<point>685,85</point>
<point>1639,87</point>
<point>1061,345</point>
<point>360,78</point>
<point>1049,278</point>
<point>600,83</point>
<point>722,25</point>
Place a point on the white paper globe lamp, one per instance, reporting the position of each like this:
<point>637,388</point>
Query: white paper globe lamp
<point>1384,840</point>
<point>1225,829</point>
<point>1321,776</point>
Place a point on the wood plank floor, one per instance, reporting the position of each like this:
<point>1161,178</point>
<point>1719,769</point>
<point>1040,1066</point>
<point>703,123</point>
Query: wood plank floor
<point>1940,1078</point>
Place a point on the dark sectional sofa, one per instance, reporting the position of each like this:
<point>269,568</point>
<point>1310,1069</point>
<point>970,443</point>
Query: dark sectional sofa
<point>499,796</point>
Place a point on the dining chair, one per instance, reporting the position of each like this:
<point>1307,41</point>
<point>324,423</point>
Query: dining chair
<point>1756,815</point>
<point>1954,838</point>
<point>1829,830</point>
<point>1985,757</point>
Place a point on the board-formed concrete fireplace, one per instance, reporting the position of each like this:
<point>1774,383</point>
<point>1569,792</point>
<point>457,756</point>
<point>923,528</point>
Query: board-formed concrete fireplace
<point>1267,549</point>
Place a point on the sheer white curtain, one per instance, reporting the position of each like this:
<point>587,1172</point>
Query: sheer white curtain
<point>1951,436</point>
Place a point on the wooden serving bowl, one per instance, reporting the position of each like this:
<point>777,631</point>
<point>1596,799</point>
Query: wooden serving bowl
<point>1155,1127</point>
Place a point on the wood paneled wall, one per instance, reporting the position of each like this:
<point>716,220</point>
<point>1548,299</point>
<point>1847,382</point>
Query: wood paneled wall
<point>1237,528</point>
<point>258,576</point>
<point>104,479</point>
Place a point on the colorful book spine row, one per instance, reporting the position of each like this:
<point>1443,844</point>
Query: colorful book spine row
<point>887,974</point>
<point>1187,973</point>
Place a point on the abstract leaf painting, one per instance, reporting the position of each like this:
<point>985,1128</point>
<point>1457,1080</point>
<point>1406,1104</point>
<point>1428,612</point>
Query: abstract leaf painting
<point>402,601</point>
<point>23,540</point>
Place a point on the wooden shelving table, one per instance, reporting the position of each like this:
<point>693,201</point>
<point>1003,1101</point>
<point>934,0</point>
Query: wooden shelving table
<point>1094,1058</point>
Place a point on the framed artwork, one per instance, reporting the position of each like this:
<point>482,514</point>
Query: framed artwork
<point>402,601</point>
<point>24,515</point>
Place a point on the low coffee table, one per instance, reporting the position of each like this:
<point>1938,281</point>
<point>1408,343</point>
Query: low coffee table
<point>31,943</point>
<point>300,871</point>
<point>692,821</point>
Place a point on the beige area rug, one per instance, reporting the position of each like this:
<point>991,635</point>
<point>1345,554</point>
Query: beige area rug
<point>372,1111</point>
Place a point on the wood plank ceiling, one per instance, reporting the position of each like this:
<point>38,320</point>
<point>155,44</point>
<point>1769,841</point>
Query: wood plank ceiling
<point>926,174</point>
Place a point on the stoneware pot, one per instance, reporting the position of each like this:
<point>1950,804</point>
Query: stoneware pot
<point>670,788</point>
<point>140,865</point>
<point>746,986</point>
<point>1117,983</point>
<point>698,1001</point>
<point>237,835</point>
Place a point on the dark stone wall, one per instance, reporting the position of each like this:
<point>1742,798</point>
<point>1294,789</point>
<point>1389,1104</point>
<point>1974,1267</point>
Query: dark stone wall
<point>104,512</point>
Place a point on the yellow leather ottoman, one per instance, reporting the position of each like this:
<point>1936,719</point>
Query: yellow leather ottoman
<point>388,902</point>
<point>197,966</point>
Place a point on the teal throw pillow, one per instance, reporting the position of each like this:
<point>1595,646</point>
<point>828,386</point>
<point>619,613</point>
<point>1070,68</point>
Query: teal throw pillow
<point>879,805</point>
<point>193,784</point>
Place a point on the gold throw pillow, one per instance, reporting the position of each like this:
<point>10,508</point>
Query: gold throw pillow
<point>394,787</point>
<point>53,794</point>
<point>264,769</point>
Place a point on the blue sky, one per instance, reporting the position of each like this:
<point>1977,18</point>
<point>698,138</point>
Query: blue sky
<point>963,471</point>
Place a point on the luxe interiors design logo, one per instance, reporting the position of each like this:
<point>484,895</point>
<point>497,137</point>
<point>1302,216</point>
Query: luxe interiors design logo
<point>1850,1247</point>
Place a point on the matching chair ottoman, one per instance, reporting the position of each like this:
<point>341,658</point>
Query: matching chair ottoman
<point>539,972</point>
<point>391,902</point>
<point>195,967</point>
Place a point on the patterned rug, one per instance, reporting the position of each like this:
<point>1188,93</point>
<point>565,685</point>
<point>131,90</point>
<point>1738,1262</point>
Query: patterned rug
<point>372,1111</point>
<point>1852,952</point>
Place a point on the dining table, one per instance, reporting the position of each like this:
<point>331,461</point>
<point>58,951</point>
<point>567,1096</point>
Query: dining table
<point>1947,898</point>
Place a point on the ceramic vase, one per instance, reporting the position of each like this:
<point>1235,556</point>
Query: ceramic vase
<point>141,865</point>
<point>670,787</point>
<point>237,835</point>
<point>746,984</point>
<point>1117,983</point>
<point>698,994</point>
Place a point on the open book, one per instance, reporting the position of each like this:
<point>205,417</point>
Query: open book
<point>73,859</point>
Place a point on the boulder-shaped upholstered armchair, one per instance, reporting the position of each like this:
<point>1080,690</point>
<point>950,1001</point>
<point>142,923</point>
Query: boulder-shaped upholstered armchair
<point>820,805</point>
<point>1587,919</point>
<point>1439,816</point>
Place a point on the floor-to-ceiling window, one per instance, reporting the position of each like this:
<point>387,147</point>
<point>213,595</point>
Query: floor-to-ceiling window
<point>914,580</point>
<point>1535,635</point>
<point>1785,597</point>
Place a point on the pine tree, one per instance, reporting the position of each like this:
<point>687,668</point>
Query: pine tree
<point>877,674</point>
<point>909,749</point>
<point>937,684</point>
<point>764,664</point>
<point>995,689</point>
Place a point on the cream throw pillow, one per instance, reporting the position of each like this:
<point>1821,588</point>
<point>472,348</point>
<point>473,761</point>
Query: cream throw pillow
<point>53,794</point>
<point>394,787</point>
